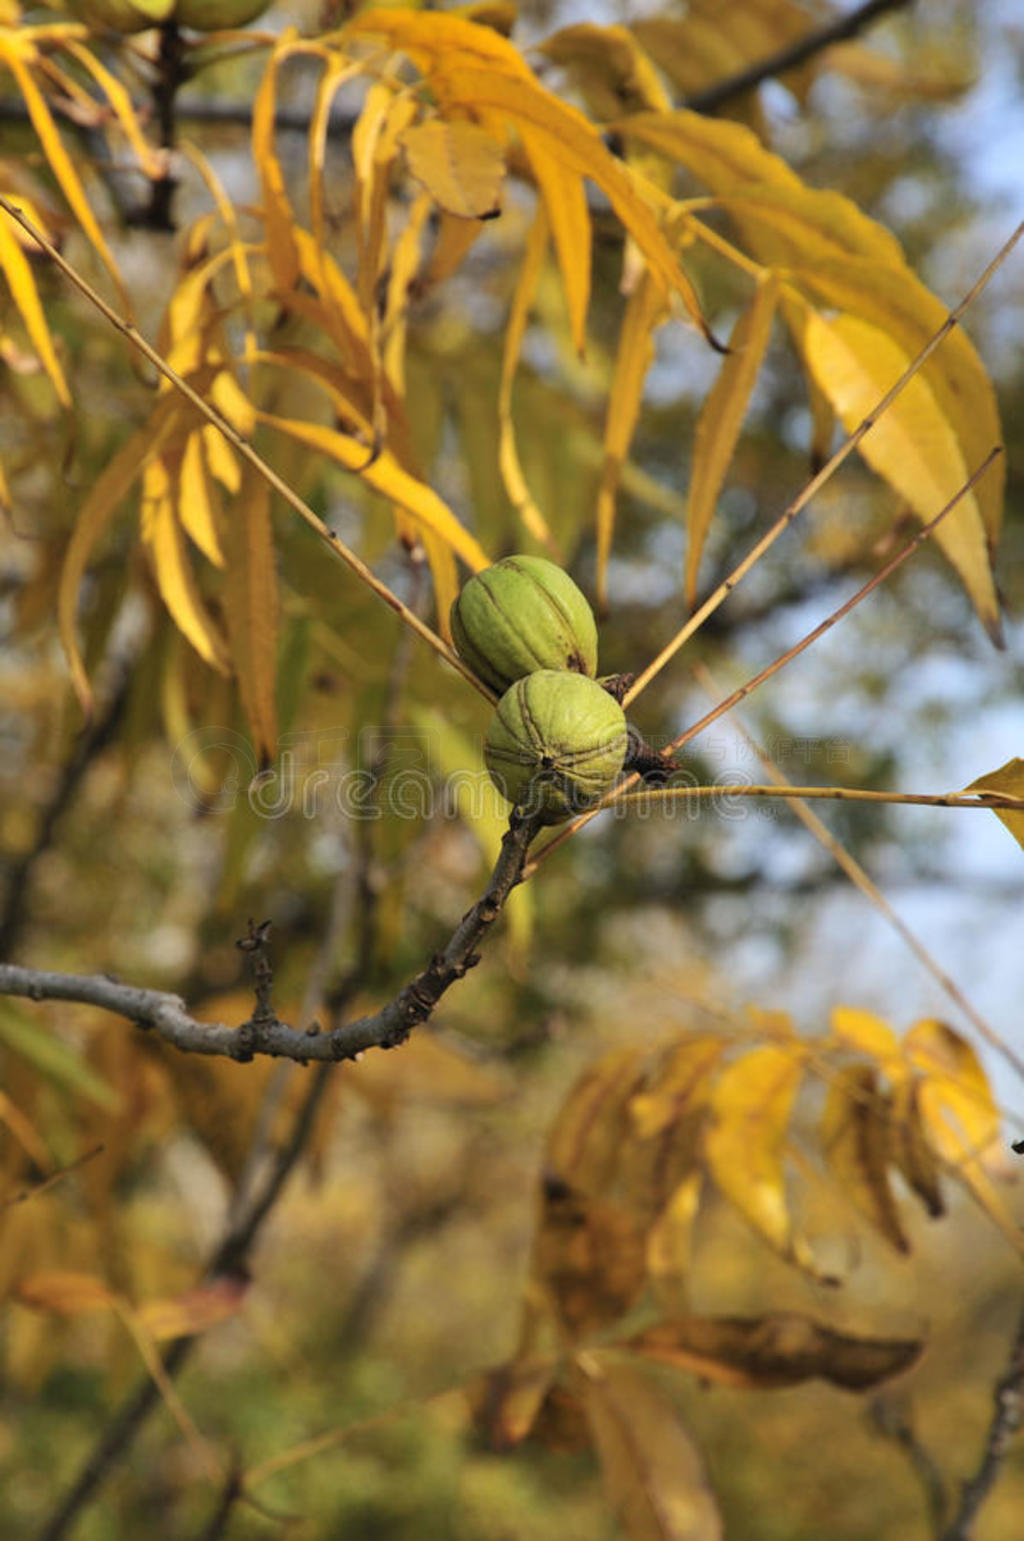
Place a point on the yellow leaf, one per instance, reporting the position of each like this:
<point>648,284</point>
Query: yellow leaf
<point>121,103</point>
<point>718,427</point>
<point>162,535</point>
<point>461,166</point>
<point>197,498</point>
<point>745,1144</point>
<point>652,1471</point>
<point>914,445</point>
<point>645,310</point>
<point>108,491</point>
<point>473,68</point>
<point>855,1142</point>
<point>220,458</point>
<point>386,476</point>
<point>64,1293</point>
<point>869,1034</point>
<point>278,215</point>
<point>17,271</point>
<point>720,154</point>
<point>1009,778</point>
<point>958,1113</point>
<point>611,68</point>
<point>453,239</point>
<point>909,1151</point>
<point>565,205</point>
<point>583,1144</point>
<point>670,1239</point>
<point>895,300</point>
<point>251,610</point>
<point>797,226</point>
<point>515,329</point>
<point>18,53</point>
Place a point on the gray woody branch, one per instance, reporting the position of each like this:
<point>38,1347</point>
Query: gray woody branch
<point>167,1015</point>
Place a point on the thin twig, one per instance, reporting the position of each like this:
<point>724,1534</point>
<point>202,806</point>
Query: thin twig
<point>619,793</point>
<point>1006,1420</point>
<point>788,515</point>
<point>167,1016</point>
<point>837,615</point>
<point>245,449</point>
<point>985,800</point>
<point>792,55</point>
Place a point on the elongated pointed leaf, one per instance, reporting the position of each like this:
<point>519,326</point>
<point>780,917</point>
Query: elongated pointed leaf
<point>721,417</point>
<point>565,205</point>
<point>172,565</point>
<point>515,329</point>
<point>855,1143</point>
<point>386,476</point>
<point>16,269</point>
<point>108,492</point>
<point>778,1349</point>
<point>251,609</point>
<point>745,1144</point>
<point>913,445</point>
<point>645,310</point>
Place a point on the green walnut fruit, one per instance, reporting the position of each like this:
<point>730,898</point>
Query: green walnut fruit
<point>556,742</point>
<point>521,615</point>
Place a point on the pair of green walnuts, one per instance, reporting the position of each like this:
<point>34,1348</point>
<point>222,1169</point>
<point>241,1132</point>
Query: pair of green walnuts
<point>557,740</point>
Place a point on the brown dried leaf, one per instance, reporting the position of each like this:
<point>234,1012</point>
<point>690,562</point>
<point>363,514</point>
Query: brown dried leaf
<point>855,1141</point>
<point>781,1349</point>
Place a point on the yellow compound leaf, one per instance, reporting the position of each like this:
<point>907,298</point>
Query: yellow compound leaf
<point>913,445</point>
<point>165,540</point>
<point>251,609</point>
<point>645,310</point>
<point>745,1143</point>
<point>1009,778</point>
<point>653,1473</point>
<point>471,68</point>
<point>461,166</point>
<point>18,273</point>
<point>855,1142</point>
<point>721,417</point>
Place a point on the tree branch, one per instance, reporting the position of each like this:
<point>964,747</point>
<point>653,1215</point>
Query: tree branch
<point>1006,1420</point>
<point>167,1015</point>
<point>792,55</point>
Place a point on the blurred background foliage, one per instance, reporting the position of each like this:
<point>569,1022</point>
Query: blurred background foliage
<point>391,1271</point>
